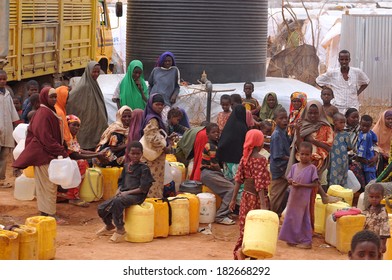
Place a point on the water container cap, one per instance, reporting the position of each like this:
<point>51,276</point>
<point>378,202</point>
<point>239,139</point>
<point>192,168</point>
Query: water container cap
<point>60,157</point>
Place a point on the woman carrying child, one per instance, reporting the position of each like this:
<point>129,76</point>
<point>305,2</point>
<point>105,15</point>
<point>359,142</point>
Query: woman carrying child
<point>297,105</point>
<point>253,173</point>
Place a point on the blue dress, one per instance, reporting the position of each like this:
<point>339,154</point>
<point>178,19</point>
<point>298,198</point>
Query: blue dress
<point>338,168</point>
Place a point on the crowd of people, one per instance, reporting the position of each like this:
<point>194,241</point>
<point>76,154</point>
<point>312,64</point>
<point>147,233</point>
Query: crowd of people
<point>254,156</point>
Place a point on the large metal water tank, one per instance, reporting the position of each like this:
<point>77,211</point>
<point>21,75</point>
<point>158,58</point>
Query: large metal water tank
<point>226,38</point>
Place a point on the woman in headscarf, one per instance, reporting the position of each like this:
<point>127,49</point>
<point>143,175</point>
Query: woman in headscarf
<point>164,79</point>
<point>114,139</point>
<point>151,127</point>
<point>134,129</point>
<point>253,173</point>
<point>44,142</point>
<point>61,103</point>
<point>269,106</point>
<point>132,90</point>
<point>86,101</point>
<point>383,130</point>
<point>297,105</point>
<point>314,127</point>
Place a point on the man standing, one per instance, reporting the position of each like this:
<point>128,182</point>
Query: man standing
<point>346,82</point>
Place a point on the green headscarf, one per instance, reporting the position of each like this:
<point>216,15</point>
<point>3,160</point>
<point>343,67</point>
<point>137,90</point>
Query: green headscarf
<point>129,92</point>
<point>265,111</point>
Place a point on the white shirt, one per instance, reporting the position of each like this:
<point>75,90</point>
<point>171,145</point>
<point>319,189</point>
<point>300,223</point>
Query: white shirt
<point>8,115</point>
<point>345,92</point>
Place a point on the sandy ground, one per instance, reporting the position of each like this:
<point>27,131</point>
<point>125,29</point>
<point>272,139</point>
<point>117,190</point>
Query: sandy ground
<point>77,239</point>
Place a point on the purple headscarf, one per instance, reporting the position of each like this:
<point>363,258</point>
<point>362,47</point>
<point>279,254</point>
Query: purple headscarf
<point>149,113</point>
<point>162,57</point>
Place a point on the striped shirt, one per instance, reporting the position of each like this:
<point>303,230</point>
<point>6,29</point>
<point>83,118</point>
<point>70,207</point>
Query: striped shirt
<point>208,156</point>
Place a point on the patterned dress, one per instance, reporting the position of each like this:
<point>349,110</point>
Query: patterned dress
<point>222,119</point>
<point>339,159</point>
<point>256,169</point>
<point>377,221</point>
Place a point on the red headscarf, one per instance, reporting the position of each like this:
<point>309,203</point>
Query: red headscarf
<point>253,138</point>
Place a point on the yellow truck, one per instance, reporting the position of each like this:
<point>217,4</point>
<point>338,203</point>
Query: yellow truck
<point>53,37</point>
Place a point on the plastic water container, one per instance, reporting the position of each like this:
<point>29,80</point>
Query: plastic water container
<point>260,234</point>
<point>388,253</point>
<point>29,172</point>
<point>194,211</point>
<point>206,189</point>
<point>333,207</point>
<point>189,170</point>
<point>19,149</point>
<point>207,208</point>
<point>47,230</point>
<point>28,242</point>
<point>91,188</point>
<point>24,188</point>
<point>180,216</point>
<point>20,132</point>
<point>139,223</point>
<point>161,216</point>
<point>180,166</point>
<point>177,176</point>
<point>9,245</point>
<point>319,215</point>
<point>110,177</point>
<point>330,231</point>
<point>339,191</point>
<point>360,203</point>
<point>168,176</point>
<point>64,172</point>
<point>346,227</point>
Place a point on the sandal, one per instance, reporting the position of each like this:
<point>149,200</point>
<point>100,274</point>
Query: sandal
<point>79,202</point>
<point>226,221</point>
<point>304,246</point>
<point>116,237</point>
<point>104,231</point>
<point>5,185</point>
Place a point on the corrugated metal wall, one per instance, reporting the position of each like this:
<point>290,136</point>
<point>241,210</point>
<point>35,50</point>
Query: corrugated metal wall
<point>369,40</point>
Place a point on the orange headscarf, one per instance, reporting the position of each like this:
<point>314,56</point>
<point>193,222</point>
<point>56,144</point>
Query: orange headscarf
<point>384,133</point>
<point>253,138</point>
<point>62,97</point>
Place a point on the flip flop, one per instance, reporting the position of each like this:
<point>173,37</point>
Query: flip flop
<point>5,185</point>
<point>79,202</point>
<point>104,231</point>
<point>116,237</point>
<point>226,221</point>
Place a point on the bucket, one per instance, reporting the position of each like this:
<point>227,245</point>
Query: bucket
<point>24,188</point>
<point>388,253</point>
<point>194,211</point>
<point>346,227</point>
<point>207,208</point>
<point>339,191</point>
<point>91,188</point>
<point>110,177</point>
<point>28,242</point>
<point>180,216</point>
<point>9,245</point>
<point>139,223</point>
<point>260,234</point>
<point>319,215</point>
<point>330,231</point>
<point>206,189</point>
<point>46,228</point>
<point>161,216</point>
<point>29,172</point>
<point>190,186</point>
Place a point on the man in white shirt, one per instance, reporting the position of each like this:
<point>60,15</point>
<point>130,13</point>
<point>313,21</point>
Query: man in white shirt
<point>346,82</point>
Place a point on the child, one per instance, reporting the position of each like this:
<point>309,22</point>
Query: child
<point>236,99</point>
<point>338,168</point>
<point>133,186</point>
<point>9,116</point>
<point>222,118</point>
<point>18,107</point>
<point>212,176</point>
<point>302,178</point>
<point>174,117</point>
<point>297,104</point>
<point>32,87</point>
<point>366,155</point>
<point>269,106</point>
<point>252,172</point>
<point>329,109</point>
<point>267,127</point>
<point>365,245</point>
<point>249,102</point>
<point>376,215</point>
<point>280,154</point>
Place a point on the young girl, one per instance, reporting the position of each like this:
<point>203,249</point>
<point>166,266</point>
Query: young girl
<point>298,102</point>
<point>376,215</point>
<point>133,186</point>
<point>302,178</point>
<point>338,168</point>
<point>253,173</point>
<point>223,116</point>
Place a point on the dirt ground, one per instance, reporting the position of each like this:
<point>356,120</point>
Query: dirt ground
<point>77,239</point>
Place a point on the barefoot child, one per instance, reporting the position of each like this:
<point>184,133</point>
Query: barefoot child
<point>302,178</point>
<point>329,109</point>
<point>376,215</point>
<point>253,173</point>
<point>133,186</point>
<point>365,245</point>
<point>249,102</point>
<point>223,116</point>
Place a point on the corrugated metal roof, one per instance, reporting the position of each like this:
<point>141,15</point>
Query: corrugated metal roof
<point>368,39</point>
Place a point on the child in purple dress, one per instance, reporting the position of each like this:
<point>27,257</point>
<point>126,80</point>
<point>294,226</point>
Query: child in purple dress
<point>302,178</point>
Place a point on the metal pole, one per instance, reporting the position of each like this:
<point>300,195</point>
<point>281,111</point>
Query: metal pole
<point>209,97</point>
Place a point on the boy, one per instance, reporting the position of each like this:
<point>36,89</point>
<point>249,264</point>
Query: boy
<point>365,245</point>
<point>249,102</point>
<point>18,107</point>
<point>366,155</point>
<point>222,118</point>
<point>279,158</point>
<point>212,176</point>
<point>8,117</point>
<point>174,117</point>
<point>329,109</point>
<point>267,128</point>
<point>32,87</point>
<point>133,186</point>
